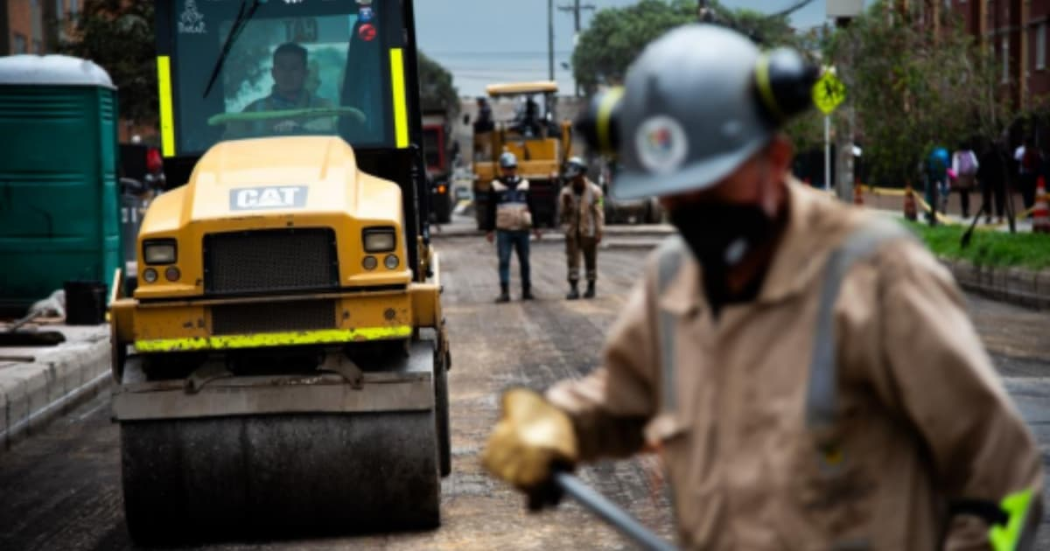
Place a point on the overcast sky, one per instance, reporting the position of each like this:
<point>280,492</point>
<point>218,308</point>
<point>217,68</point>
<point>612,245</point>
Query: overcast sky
<point>484,41</point>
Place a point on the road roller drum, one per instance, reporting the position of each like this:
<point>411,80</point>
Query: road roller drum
<point>284,455</point>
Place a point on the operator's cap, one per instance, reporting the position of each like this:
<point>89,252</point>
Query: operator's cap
<point>508,160</point>
<point>688,116</point>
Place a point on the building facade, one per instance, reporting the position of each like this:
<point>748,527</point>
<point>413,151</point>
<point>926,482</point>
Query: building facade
<point>1017,31</point>
<point>34,26</point>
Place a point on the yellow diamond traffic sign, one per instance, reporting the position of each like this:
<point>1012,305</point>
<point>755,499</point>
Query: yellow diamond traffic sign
<point>828,92</point>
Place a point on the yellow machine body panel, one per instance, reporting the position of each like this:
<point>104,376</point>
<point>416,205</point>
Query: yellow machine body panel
<point>276,184</point>
<point>274,187</point>
<point>518,88</point>
<point>538,158</point>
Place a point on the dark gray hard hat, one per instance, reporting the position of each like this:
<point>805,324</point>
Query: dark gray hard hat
<point>688,116</point>
<point>508,160</point>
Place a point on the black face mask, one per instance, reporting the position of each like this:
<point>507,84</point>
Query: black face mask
<point>720,235</point>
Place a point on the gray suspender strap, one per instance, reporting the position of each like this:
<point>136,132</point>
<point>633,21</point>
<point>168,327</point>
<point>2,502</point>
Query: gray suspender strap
<point>669,261</point>
<point>821,400</point>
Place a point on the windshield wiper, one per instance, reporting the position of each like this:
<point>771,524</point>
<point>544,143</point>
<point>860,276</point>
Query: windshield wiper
<point>244,14</point>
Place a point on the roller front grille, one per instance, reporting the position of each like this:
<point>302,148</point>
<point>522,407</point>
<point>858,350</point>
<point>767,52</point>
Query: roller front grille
<point>270,261</point>
<point>273,317</point>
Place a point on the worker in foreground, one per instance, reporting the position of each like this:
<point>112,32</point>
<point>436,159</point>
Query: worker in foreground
<point>583,219</point>
<point>508,223</point>
<point>806,370</point>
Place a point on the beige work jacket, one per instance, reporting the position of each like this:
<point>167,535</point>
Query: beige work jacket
<point>922,418</point>
<point>582,214</point>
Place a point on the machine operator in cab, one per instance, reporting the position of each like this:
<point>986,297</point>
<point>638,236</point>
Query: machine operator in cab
<point>290,74</point>
<point>805,368</point>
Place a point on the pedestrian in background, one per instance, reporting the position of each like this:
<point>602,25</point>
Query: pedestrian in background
<point>965,166</point>
<point>508,222</point>
<point>990,176</point>
<point>936,180</point>
<point>582,208</point>
<point>1028,161</point>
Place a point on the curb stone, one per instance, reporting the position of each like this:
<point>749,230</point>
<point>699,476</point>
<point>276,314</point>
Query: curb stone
<point>1028,288</point>
<point>58,379</point>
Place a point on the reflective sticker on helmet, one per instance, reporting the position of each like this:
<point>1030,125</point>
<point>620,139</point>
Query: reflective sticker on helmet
<point>661,144</point>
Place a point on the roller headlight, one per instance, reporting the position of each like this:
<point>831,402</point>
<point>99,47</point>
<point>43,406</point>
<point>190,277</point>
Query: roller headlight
<point>379,240</point>
<point>369,263</point>
<point>149,275</point>
<point>159,251</point>
<point>391,261</point>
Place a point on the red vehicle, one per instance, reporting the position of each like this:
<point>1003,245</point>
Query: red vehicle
<point>439,151</point>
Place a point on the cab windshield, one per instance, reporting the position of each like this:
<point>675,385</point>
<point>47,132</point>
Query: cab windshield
<point>290,68</point>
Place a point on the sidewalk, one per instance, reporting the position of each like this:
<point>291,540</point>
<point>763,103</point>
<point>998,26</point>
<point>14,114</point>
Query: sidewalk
<point>39,383</point>
<point>895,204</point>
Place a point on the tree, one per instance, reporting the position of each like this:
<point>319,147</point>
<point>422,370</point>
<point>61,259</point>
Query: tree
<point>436,91</point>
<point>616,37</point>
<point>914,86</point>
<point>118,35</point>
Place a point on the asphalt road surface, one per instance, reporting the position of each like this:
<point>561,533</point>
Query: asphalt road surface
<point>60,489</point>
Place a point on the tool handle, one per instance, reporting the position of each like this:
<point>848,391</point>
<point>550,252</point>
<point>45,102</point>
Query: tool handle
<point>611,513</point>
<point>19,323</point>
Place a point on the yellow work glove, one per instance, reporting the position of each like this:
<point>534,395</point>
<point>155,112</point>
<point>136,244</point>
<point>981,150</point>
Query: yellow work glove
<point>532,440</point>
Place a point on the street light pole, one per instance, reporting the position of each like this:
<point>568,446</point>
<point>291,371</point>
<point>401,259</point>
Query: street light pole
<point>550,39</point>
<point>576,8</point>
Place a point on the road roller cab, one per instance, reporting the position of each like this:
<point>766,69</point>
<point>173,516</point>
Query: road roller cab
<point>282,361</point>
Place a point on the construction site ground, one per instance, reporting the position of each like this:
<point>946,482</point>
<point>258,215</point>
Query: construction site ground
<point>61,487</point>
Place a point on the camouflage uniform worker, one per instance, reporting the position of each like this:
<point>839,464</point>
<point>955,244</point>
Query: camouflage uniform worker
<point>583,218</point>
<point>806,369</point>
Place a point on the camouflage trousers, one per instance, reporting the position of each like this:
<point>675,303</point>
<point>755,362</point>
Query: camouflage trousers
<point>575,245</point>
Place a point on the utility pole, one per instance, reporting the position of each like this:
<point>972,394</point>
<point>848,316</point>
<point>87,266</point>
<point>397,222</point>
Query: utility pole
<point>575,9</point>
<point>842,12</point>
<point>844,173</point>
<point>550,39</point>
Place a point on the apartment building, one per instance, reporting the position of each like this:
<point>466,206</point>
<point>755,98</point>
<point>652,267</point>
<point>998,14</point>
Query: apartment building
<point>34,26</point>
<point>1017,31</point>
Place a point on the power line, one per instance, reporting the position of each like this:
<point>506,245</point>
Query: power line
<point>788,11</point>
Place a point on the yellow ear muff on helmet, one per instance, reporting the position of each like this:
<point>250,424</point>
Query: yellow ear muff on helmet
<point>598,123</point>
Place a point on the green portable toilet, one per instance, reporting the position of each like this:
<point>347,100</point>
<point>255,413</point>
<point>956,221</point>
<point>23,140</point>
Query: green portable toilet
<point>58,176</point>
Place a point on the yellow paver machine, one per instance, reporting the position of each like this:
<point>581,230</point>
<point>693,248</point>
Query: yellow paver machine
<point>540,144</point>
<point>282,362</point>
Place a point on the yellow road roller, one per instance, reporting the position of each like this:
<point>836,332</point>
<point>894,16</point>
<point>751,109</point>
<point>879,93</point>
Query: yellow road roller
<point>539,142</point>
<point>281,362</point>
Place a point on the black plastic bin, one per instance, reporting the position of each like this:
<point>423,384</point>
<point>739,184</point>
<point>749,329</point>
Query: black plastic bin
<point>85,302</point>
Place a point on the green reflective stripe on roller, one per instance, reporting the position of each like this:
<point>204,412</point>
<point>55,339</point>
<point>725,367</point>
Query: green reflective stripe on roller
<point>262,340</point>
<point>1015,505</point>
